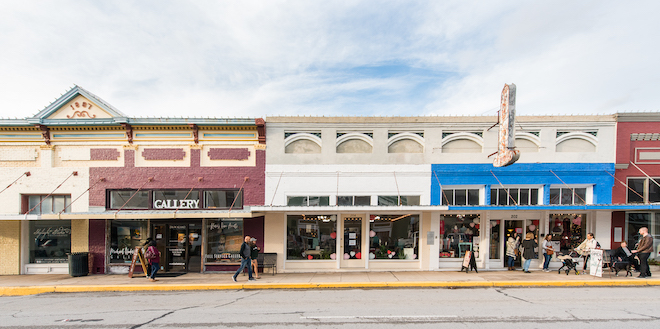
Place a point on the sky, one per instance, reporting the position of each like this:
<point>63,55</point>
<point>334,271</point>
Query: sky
<point>332,58</point>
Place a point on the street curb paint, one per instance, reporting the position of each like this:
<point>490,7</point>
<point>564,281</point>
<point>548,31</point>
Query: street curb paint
<point>35,290</point>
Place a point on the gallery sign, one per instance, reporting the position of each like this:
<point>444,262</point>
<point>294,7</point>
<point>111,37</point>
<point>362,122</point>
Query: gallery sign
<point>176,203</point>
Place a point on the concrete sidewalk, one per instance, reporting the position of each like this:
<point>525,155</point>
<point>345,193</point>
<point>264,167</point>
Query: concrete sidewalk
<point>17,285</point>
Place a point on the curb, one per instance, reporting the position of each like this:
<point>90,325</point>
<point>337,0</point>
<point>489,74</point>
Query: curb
<point>35,290</point>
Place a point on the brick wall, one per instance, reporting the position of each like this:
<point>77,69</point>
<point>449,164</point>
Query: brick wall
<point>131,177</point>
<point>10,237</point>
<point>104,154</point>
<point>229,154</point>
<point>97,245</point>
<point>163,154</point>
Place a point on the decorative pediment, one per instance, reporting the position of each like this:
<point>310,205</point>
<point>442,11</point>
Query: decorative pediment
<point>76,104</point>
<point>80,108</point>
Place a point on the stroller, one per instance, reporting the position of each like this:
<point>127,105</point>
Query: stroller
<point>569,262</point>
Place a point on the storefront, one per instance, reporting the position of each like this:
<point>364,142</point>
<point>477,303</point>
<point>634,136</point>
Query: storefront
<point>339,238</point>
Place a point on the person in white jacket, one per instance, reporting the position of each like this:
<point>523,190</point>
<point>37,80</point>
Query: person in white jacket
<point>585,248</point>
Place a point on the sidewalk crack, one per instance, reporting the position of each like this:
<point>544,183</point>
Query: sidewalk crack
<point>236,300</point>
<point>162,316</point>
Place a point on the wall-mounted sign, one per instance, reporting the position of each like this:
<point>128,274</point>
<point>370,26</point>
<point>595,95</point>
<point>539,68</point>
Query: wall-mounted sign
<point>176,204</point>
<point>506,152</point>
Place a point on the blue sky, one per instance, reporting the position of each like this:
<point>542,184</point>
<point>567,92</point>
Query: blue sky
<point>261,58</point>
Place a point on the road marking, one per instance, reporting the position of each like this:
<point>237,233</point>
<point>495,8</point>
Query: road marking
<point>380,317</point>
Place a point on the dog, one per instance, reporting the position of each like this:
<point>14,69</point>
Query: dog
<point>620,266</point>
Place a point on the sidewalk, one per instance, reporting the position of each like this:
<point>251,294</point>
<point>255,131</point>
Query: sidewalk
<point>18,285</point>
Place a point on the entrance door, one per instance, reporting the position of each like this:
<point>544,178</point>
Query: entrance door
<point>511,228</point>
<point>180,246</point>
<point>351,247</point>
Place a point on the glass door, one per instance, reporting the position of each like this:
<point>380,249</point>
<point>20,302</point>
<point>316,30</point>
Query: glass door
<point>176,249</point>
<point>513,229</point>
<point>195,247</point>
<point>351,247</point>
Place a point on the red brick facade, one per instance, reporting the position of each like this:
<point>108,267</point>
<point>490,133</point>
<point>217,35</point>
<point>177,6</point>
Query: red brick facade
<point>229,154</point>
<point>626,150</point>
<point>103,154</point>
<point>131,177</point>
<point>163,154</point>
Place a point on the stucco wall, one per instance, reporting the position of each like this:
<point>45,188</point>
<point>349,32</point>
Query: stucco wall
<point>275,237</point>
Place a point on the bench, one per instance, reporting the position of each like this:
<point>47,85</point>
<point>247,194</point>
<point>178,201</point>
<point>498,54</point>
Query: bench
<point>268,260</point>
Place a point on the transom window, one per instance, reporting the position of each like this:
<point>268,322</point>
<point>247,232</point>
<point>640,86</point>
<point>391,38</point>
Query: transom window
<point>310,201</point>
<point>565,195</point>
<point>460,197</point>
<point>645,190</point>
<point>394,200</point>
<point>516,196</point>
<point>354,200</point>
<point>41,204</point>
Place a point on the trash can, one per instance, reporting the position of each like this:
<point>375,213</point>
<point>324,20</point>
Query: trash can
<point>78,264</point>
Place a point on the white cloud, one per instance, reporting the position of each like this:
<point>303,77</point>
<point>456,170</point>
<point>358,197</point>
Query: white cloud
<point>257,58</point>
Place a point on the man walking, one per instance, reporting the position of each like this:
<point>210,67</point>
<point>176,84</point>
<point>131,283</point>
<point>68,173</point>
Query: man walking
<point>245,252</point>
<point>644,249</point>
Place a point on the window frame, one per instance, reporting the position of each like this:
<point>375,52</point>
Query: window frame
<point>646,189</point>
<point>307,198</point>
<point>353,199</point>
<point>453,196</point>
<point>574,195</point>
<point>517,196</point>
<point>25,203</point>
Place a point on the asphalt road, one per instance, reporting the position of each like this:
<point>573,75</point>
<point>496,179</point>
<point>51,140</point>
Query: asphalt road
<point>633,307</point>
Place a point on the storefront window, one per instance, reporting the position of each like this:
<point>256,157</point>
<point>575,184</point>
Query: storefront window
<point>568,229</point>
<point>129,199</point>
<point>460,197</point>
<point>495,239</point>
<point>515,196</point>
<point>393,236</point>
<point>224,239</point>
<point>568,196</point>
<point>311,237</point>
<point>125,236</point>
<point>223,199</point>
<point>459,234</point>
<point>50,241</point>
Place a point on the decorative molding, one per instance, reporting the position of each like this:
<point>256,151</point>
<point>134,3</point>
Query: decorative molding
<point>401,136</point>
<point>463,135</point>
<point>303,136</point>
<point>359,136</point>
<point>577,135</point>
<point>163,154</point>
<point>229,154</point>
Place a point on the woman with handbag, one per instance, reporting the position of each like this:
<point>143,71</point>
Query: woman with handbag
<point>528,250</point>
<point>511,254</point>
<point>547,252</point>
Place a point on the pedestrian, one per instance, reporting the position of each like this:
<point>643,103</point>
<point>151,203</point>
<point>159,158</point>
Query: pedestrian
<point>643,252</point>
<point>245,254</point>
<point>255,255</point>
<point>528,250</point>
<point>153,257</point>
<point>548,250</point>
<point>511,246</point>
<point>585,248</point>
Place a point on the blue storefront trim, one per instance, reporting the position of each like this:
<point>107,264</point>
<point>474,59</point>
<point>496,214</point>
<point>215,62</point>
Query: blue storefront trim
<point>521,174</point>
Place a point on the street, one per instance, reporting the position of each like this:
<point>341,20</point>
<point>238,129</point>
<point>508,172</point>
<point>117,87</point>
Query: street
<point>407,308</point>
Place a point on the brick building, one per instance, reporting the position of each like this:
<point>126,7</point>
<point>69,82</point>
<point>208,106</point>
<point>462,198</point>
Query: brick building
<point>84,177</point>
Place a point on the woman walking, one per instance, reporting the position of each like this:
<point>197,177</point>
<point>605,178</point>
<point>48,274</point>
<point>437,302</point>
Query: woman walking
<point>547,252</point>
<point>528,250</point>
<point>153,257</point>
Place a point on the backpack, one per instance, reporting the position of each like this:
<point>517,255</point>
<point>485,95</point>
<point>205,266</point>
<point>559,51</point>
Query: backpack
<point>150,254</point>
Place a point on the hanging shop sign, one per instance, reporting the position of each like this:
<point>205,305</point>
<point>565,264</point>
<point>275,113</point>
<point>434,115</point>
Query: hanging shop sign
<point>506,152</point>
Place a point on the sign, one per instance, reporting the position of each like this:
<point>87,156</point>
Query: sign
<point>596,262</point>
<point>469,263</point>
<point>176,204</point>
<point>137,254</point>
<point>506,152</point>
<point>430,238</point>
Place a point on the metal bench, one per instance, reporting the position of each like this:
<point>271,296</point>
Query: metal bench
<point>268,260</point>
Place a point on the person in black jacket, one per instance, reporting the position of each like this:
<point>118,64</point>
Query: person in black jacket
<point>245,252</point>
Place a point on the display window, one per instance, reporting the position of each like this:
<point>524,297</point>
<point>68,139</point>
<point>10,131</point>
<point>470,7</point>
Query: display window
<point>311,237</point>
<point>50,241</point>
<point>224,239</point>
<point>125,236</point>
<point>393,236</point>
<point>460,233</point>
<point>568,230</point>
<point>635,221</point>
